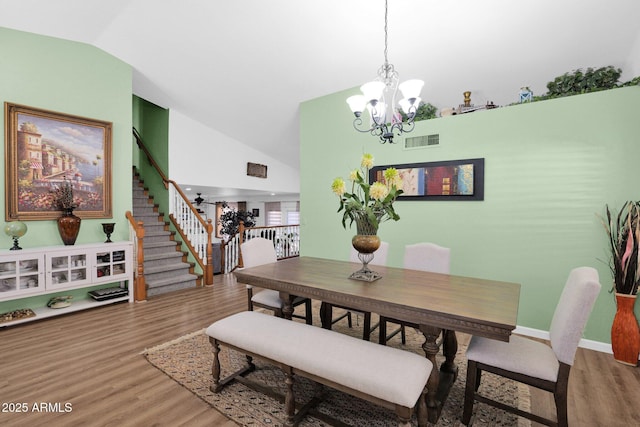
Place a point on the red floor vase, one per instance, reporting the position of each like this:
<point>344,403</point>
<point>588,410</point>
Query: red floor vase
<point>625,333</point>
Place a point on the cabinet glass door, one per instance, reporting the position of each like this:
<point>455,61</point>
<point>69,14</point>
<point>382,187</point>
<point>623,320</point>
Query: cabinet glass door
<point>68,270</point>
<point>20,275</point>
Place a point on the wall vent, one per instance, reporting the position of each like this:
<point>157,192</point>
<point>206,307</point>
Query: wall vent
<point>422,141</point>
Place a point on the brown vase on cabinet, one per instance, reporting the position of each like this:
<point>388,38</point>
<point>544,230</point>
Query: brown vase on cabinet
<point>69,227</point>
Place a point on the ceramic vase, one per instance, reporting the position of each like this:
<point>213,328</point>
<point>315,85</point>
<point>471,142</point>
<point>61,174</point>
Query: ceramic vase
<point>69,227</point>
<point>625,333</point>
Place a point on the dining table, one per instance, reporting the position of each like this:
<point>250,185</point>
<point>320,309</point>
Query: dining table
<point>439,304</point>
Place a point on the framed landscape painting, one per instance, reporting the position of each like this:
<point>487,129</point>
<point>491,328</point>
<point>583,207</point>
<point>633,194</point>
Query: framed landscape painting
<point>445,180</point>
<point>45,148</point>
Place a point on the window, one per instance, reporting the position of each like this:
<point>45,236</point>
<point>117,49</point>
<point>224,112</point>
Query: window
<point>274,214</point>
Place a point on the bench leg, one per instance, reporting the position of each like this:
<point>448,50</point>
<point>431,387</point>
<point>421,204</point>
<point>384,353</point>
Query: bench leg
<point>404,416</point>
<point>289,400</point>
<point>216,383</point>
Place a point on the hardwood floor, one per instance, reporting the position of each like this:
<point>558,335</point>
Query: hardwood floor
<point>91,361</point>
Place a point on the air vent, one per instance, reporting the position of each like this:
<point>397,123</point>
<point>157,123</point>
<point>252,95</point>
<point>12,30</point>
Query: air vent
<point>422,141</point>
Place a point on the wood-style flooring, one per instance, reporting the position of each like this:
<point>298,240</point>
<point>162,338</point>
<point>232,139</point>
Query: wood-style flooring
<point>87,370</point>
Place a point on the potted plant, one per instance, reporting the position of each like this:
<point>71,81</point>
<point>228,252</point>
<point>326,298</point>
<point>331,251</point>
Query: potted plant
<point>367,205</point>
<point>623,231</point>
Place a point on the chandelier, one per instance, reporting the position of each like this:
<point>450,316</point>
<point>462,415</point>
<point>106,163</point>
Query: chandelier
<point>379,98</point>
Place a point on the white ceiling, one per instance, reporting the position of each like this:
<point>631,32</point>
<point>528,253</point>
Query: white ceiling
<point>243,67</point>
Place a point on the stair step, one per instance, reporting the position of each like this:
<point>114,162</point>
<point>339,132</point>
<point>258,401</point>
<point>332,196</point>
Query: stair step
<point>158,287</point>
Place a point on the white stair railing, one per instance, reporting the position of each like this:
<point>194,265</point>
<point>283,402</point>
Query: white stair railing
<point>285,238</point>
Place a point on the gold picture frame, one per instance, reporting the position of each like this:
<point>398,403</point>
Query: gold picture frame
<point>42,149</point>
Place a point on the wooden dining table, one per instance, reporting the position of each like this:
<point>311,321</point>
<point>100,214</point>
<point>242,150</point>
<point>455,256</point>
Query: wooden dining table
<point>436,302</point>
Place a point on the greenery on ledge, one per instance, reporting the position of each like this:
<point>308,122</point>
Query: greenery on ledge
<point>584,81</point>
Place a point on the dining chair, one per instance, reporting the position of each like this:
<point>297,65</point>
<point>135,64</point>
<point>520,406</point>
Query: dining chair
<point>424,257</point>
<point>379,258</point>
<point>259,251</point>
<point>535,363</point>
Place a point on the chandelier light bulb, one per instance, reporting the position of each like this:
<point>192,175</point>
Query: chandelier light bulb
<point>357,104</point>
<point>409,106</point>
<point>411,88</point>
<point>372,90</point>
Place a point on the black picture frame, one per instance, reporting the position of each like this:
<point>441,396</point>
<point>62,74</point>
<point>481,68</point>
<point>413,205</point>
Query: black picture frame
<point>449,180</point>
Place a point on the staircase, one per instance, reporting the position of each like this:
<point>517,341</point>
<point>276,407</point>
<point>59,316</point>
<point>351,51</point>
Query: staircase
<point>165,265</point>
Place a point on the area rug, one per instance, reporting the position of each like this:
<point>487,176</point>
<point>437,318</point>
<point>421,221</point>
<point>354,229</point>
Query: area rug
<point>188,360</point>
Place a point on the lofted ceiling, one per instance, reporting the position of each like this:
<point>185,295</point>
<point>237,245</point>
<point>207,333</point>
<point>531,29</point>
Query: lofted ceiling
<point>243,67</point>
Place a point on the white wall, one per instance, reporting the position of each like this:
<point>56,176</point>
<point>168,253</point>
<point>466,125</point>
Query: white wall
<point>221,161</point>
<point>634,59</point>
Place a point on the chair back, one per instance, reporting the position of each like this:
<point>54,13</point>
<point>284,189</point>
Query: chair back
<point>572,312</point>
<point>427,257</point>
<point>257,251</point>
<point>379,256</point>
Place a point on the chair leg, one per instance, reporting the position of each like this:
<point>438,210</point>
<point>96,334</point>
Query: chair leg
<point>349,319</point>
<point>308,312</point>
<point>249,302</point>
<point>560,395</point>
<point>403,334</point>
<point>469,391</point>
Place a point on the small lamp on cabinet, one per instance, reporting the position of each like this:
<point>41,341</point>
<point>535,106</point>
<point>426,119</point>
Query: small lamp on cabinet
<point>15,230</point>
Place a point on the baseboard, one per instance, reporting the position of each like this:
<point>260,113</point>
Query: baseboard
<point>588,344</point>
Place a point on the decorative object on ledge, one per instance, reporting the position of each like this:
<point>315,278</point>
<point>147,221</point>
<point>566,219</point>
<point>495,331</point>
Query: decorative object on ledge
<point>61,301</point>
<point>623,231</point>
<point>257,170</point>
<point>379,97</point>
<point>22,313</point>
<point>41,148</point>
<point>107,228</point>
<point>15,230</point>
<point>447,180</point>
<point>367,205</point>
<point>68,223</point>
<point>468,107</point>
<point>525,94</point>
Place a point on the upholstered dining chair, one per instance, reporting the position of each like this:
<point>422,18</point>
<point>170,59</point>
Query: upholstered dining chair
<point>379,258</point>
<point>259,251</point>
<point>420,256</point>
<point>533,362</point>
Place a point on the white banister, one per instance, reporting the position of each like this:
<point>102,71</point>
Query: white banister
<point>285,238</point>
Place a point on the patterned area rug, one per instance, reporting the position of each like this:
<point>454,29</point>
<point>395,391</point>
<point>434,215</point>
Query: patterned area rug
<point>188,360</point>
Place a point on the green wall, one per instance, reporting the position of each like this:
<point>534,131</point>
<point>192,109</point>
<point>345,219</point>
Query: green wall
<point>78,79</point>
<point>152,123</point>
<point>550,168</point>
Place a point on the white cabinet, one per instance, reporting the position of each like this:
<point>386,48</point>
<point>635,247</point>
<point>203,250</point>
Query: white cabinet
<point>58,269</point>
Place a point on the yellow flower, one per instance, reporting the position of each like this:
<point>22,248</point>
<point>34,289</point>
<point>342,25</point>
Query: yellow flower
<point>338,186</point>
<point>392,178</point>
<point>367,161</point>
<point>353,176</point>
<point>378,191</point>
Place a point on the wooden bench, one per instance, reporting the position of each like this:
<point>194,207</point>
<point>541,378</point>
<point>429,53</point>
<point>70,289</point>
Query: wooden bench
<point>386,376</point>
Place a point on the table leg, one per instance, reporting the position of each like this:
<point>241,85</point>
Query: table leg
<point>431,347</point>
<point>449,349</point>
<point>287,310</point>
<point>326,315</point>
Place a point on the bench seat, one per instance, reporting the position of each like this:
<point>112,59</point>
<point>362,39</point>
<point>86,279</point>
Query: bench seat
<point>385,373</point>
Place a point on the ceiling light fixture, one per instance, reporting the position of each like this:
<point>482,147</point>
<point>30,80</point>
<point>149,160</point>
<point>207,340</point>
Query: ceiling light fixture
<point>379,97</point>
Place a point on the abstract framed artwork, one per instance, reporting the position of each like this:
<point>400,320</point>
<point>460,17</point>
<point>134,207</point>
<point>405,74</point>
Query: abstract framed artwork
<point>444,180</point>
<point>44,148</point>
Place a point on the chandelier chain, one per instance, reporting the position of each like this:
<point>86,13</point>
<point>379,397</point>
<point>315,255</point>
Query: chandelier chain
<point>386,8</point>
